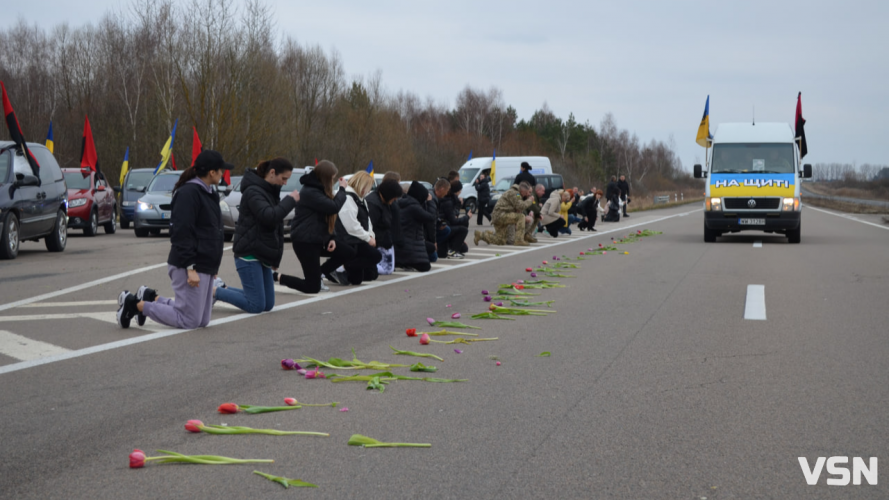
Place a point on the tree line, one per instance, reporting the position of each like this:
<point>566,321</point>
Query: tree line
<point>253,93</point>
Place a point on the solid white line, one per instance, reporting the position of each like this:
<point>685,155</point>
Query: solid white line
<point>757,244</point>
<point>756,302</point>
<point>74,304</point>
<point>327,296</point>
<point>846,216</point>
<point>82,286</point>
<point>25,349</point>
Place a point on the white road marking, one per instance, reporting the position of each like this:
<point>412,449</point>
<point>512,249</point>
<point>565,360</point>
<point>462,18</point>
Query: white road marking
<point>756,302</point>
<point>846,216</point>
<point>74,304</point>
<point>22,365</point>
<point>757,244</point>
<point>25,349</point>
<point>104,316</point>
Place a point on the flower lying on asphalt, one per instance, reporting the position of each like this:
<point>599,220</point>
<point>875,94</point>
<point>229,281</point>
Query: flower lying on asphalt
<point>455,316</point>
<point>424,339</point>
<point>484,292</point>
<point>448,332</point>
<point>498,363</point>
<point>528,269</point>
<point>344,408</point>
<point>378,380</point>
<point>314,374</point>
<point>198,426</point>
<point>488,298</point>
<point>460,340</point>
<point>420,367</point>
<point>458,351</point>
<point>359,440</point>
<point>290,401</point>
<point>430,321</point>
<point>285,482</point>
<point>454,324</point>
<point>253,409</point>
<point>228,408</point>
<point>138,459</point>
<point>489,315</point>
<point>289,364</point>
<point>301,371</point>
<point>412,353</point>
<point>533,275</point>
<point>355,364</point>
<point>411,332</point>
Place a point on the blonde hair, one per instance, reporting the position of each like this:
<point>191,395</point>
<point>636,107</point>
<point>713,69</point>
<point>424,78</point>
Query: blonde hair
<point>362,183</point>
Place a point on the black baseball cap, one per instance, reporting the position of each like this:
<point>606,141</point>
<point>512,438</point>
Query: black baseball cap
<point>210,160</point>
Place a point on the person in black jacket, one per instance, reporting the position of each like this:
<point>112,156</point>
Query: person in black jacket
<point>417,216</point>
<point>259,235</point>
<point>611,190</point>
<point>525,175</point>
<point>196,240</point>
<point>483,191</point>
<point>396,218</point>
<point>624,187</point>
<point>313,227</point>
<point>452,241</point>
<point>378,206</point>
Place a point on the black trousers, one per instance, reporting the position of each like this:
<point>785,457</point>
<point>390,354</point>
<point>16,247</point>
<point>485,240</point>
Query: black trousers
<point>455,241</point>
<point>553,227</point>
<point>624,199</point>
<point>363,265</point>
<point>309,255</point>
<point>484,210</point>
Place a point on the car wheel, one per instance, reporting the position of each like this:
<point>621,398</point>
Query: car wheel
<point>795,235</point>
<point>141,232</point>
<point>111,225</point>
<point>9,239</point>
<point>229,236</point>
<point>124,223</point>
<point>710,235</point>
<point>469,206</point>
<point>93,227</point>
<point>154,232</point>
<point>57,240</point>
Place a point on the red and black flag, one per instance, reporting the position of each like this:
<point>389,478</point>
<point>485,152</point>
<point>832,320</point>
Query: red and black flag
<point>800,132</point>
<point>88,156</point>
<point>196,146</point>
<point>15,131</point>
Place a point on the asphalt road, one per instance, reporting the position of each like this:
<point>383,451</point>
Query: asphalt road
<point>809,194</point>
<point>657,387</point>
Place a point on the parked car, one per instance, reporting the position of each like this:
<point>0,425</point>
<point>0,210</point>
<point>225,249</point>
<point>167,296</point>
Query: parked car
<point>153,210</point>
<point>550,181</point>
<point>90,202</point>
<point>31,208</point>
<point>134,186</point>
<point>231,204</point>
<point>405,185</point>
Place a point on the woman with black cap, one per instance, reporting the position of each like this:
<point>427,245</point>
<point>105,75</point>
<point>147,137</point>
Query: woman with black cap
<point>378,205</point>
<point>416,214</point>
<point>196,240</point>
<point>449,211</point>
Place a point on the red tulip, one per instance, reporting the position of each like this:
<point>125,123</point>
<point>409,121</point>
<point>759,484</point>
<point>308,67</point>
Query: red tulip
<point>411,332</point>
<point>600,245</point>
<point>424,339</point>
<point>581,253</point>
<point>528,269</point>
<point>194,425</point>
<point>290,401</point>
<point>545,263</point>
<point>520,287</point>
<point>639,231</point>
<point>228,408</point>
<point>137,459</point>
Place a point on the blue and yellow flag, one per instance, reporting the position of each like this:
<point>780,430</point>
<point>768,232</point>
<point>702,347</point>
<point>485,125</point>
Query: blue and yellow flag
<point>704,138</point>
<point>167,150</point>
<point>370,168</point>
<point>470,155</point>
<point>49,143</point>
<point>125,167</point>
<point>493,167</point>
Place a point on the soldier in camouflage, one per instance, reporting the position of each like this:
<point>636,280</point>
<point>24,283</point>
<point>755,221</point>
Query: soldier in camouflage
<point>509,218</point>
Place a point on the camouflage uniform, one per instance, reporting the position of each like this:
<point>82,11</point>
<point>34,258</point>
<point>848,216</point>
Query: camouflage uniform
<point>508,219</point>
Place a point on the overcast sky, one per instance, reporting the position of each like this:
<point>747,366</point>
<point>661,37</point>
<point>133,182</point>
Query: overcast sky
<point>652,64</point>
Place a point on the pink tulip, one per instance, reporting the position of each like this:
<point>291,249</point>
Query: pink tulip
<point>290,401</point>
<point>137,459</point>
<point>455,316</point>
<point>301,371</point>
<point>604,252</point>
<point>590,249</point>
<point>520,282</point>
<point>458,351</point>
<point>424,339</point>
<point>345,408</point>
<point>498,363</point>
<point>448,305</point>
<point>430,321</point>
<point>315,374</point>
<point>194,425</point>
<point>545,263</point>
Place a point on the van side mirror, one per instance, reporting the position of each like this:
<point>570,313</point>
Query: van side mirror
<point>699,172</point>
<point>141,189</point>
<point>807,171</point>
<point>23,180</point>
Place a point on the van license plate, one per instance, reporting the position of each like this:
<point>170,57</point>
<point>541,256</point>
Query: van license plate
<point>752,222</point>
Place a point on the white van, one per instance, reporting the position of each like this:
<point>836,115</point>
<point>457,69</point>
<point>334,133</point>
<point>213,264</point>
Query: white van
<point>753,185</point>
<point>507,166</point>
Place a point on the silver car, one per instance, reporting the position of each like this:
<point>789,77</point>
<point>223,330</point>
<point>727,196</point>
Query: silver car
<point>152,212</point>
<point>231,205</point>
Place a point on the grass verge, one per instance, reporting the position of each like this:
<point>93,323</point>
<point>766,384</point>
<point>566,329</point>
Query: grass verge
<point>644,207</point>
<point>844,206</point>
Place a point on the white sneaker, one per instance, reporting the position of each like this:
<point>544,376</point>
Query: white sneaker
<point>217,283</point>
<point>324,288</point>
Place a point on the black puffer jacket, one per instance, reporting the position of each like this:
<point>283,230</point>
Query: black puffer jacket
<point>260,228</point>
<point>416,215</point>
<point>624,187</point>
<point>483,190</point>
<point>310,217</point>
<point>527,177</point>
<point>196,232</point>
<point>381,218</point>
<point>395,226</point>
<point>448,208</point>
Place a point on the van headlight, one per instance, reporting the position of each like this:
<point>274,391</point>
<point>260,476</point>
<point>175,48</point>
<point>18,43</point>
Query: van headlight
<point>145,206</point>
<point>791,204</point>
<point>714,204</point>
<point>224,206</point>
<point>79,202</point>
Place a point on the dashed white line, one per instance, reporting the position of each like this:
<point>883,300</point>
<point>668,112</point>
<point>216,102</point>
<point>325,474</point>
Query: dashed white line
<point>25,349</point>
<point>756,302</point>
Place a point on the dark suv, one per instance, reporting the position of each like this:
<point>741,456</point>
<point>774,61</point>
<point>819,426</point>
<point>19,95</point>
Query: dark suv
<point>29,211</point>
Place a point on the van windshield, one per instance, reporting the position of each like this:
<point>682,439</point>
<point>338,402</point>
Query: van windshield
<point>467,175</point>
<point>768,158</point>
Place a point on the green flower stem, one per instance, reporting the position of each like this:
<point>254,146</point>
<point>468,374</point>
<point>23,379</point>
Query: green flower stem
<point>220,429</point>
<point>447,332</point>
<point>399,445</point>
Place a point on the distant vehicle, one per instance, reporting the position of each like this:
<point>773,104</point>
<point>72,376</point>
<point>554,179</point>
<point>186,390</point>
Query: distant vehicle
<point>405,185</point>
<point>153,209</point>
<point>753,172</point>
<point>378,178</point>
<point>134,186</point>
<point>225,190</point>
<point>550,181</point>
<point>90,202</point>
<point>231,204</point>
<point>507,166</point>
<point>28,211</point>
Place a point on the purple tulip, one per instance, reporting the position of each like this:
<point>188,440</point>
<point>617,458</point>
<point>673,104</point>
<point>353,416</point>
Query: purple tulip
<point>430,321</point>
<point>484,292</point>
<point>345,408</point>
<point>488,298</point>
<point>555,257</point>
<point>533,275</point>
<point>289,364</point>
<point>458,351</point>
<point>499,304</point>
<point>455,316</point>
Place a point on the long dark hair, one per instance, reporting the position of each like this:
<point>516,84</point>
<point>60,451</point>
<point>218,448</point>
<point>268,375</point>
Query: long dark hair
<point>187,175</point>
<point>326,173</point>
<point>279,165</point>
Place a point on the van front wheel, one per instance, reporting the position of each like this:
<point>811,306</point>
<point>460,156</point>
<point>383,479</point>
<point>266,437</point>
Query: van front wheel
<point>794,235</point>
<point>710,235</point>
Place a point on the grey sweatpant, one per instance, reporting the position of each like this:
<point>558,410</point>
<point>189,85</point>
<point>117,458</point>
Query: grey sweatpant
<point>192,306</point>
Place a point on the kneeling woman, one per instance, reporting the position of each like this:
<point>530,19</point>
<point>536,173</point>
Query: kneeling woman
<point>259,235</point>
<point>354,228</point>
<point>196,240</point>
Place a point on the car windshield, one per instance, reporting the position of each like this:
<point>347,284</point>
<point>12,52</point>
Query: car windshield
<point>163,183</point>
<point>4,165</point>
<point>76,180</point>
<point>503,184</point>
<point>764,158</point>
<point>467,175</point>
<point>293,184</point>
<point>138,179</point>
